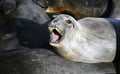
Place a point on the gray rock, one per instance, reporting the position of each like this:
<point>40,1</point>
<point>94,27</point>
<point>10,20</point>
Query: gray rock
<point>43,61</point>
<point>27,20</point>
<point>8,42</point>
<point>26,9</point>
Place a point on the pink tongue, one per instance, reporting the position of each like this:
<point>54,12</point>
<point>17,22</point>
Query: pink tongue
<point>55,36</point>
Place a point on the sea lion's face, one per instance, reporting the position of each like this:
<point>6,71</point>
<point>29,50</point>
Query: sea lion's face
<point>59,28</point>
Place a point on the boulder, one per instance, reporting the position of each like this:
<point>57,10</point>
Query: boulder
<point>43,61</point>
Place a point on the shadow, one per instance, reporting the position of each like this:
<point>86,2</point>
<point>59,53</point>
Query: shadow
<point>29,33</point>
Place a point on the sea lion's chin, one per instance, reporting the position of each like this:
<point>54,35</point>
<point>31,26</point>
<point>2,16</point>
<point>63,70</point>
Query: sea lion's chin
<point>56,36</point>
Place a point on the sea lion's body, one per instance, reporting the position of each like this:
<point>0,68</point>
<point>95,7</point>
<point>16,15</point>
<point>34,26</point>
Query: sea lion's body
<point>79,8</point>
<point>89,40</point>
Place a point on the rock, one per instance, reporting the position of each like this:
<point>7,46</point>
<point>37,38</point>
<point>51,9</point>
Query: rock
<point>24,9</point>
<point>116,9</point>
<point>27,21</point>
<point>30,34</point>
<point>8,42</point>
<point>43,61</point>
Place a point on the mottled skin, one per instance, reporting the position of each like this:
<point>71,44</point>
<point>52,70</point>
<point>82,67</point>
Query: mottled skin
<point>79,8</point>
<point>86,40</point>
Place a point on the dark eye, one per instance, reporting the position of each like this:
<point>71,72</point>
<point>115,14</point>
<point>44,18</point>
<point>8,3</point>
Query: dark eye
<point>69,21</point>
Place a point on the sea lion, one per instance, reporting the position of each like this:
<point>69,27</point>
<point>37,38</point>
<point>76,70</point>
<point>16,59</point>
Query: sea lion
<point>89,40</point>
<point>79,8</point>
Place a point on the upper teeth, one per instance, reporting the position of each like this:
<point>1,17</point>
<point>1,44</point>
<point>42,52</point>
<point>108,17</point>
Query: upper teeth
<point>57,30</point>
<point>52,28</point>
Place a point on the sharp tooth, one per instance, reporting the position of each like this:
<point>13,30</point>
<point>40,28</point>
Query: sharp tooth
<point>52,28</point>
<point>57,30</point>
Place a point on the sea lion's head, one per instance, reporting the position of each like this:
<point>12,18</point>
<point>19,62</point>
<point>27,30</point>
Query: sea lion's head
<point>61,29</point>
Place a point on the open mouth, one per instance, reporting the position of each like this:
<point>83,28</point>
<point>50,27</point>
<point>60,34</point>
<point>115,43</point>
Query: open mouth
<point>55,36</point>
